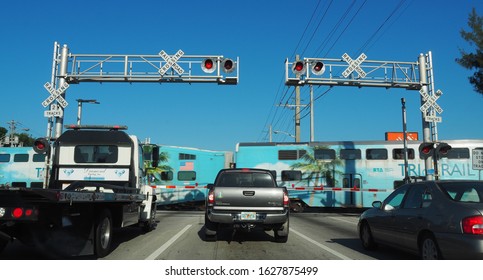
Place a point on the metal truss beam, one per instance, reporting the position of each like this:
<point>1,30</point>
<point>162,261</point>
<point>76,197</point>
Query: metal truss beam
<point>375,73</point>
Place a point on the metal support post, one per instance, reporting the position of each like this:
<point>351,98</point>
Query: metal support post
<point>406,175</point>
<point>426,129</point>
<point>62,74</point>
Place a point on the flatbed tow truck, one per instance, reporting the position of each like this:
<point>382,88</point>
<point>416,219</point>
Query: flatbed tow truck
<point>96,182</point>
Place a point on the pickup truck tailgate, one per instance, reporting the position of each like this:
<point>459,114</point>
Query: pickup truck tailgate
<point>248,198</point>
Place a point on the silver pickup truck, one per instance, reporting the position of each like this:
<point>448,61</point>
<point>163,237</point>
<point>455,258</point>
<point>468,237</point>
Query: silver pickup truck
<point>245,198</point>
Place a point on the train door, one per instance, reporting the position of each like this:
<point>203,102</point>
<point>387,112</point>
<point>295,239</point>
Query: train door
<point>351,184</point>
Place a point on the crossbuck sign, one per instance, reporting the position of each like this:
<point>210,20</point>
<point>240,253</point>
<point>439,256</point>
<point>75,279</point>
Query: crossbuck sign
<point>55,94</point>
<point>171,62</point>
<point>430,101</point>
<point>354,65</point>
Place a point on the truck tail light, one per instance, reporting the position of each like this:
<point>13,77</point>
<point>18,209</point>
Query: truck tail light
<point>17,213</point>
<point>211,197</point>
<point>472,225</point>
<point>286,200</point>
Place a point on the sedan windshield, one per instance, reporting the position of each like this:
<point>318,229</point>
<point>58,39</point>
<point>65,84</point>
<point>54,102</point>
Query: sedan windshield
<point>464,191</point>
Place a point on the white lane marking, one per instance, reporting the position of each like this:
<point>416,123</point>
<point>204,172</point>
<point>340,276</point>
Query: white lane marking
<point>323,247</point>
<point>165,246</point>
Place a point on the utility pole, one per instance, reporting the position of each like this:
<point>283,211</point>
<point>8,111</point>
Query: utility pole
<point>297,109</point>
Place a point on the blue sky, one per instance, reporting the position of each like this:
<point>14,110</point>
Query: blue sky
<point>262,34</point>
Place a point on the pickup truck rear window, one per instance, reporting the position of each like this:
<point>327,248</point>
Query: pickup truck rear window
<point>245,180</point>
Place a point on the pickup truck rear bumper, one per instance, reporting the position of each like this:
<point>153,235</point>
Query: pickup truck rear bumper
<point>242,217</point>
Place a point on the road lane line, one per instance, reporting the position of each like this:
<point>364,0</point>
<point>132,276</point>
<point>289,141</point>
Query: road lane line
<point>323,247</point>
<point>165,246</point>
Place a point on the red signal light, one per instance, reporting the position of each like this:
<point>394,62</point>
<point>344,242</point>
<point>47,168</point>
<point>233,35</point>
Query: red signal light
<point>299,66</point>
<point>443,149</point>
<point>208,65</point>
<point>41,146</point>
<point>426,149</point>
<point>318,68</point>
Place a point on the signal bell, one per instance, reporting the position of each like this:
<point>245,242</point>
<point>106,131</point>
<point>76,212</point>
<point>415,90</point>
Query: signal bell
<point>317,67</point>
<point>208,65</point>
<point>41,146</point>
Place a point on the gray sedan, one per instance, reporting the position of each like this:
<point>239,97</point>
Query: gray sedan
<point>434,219</point>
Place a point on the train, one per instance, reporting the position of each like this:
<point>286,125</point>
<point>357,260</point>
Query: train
<point>340,174</point>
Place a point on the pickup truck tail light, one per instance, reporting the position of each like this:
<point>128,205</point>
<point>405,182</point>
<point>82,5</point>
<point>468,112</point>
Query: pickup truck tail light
<point>211,197</point>
<point>473,225</point>
<point>286,200</point>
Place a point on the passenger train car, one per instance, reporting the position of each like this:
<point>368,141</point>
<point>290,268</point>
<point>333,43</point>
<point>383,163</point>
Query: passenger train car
<point>21,167</point>
<point>352,173</point>
<point>185,172</point>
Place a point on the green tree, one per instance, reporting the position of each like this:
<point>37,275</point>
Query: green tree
<point>316,169</point>
<point>3,132</point>
<point>474,61</point>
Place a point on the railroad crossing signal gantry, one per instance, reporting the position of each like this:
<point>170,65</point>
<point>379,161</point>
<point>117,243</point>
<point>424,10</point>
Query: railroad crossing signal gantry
<point>68,69</point>
<point>359,72</point>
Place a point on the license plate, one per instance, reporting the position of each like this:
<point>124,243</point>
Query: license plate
<point>248,216</point>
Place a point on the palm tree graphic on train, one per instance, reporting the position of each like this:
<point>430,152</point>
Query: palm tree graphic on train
<point>155,172</point>
<point>318,166</point>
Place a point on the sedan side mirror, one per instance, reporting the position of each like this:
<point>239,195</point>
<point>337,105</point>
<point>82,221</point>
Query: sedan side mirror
<point>377,204</point>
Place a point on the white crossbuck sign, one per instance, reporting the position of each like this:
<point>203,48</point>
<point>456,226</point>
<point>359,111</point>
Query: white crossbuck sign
<point>55,94</point>
<point>171,62</point>
<point>430,101</point>
<point>354,65</point>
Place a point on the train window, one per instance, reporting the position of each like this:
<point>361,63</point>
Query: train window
<point>186,175</point>
<point>39,158</point>
<point>19,184</point>
<point>373,154</point>
<point>458,153</point>
<point>183,156</point>
<point>291,154</point>
<point>166,175</point>
<point>350,154</point>
<point>399,154</point>
<point>21,158</point>
<point>324,154</point>
<point>291,175</point>
<point>4,157</point>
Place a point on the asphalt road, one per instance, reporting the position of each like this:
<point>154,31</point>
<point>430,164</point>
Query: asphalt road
<point>180,236</point>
